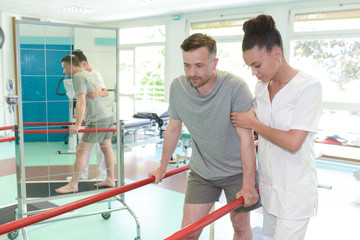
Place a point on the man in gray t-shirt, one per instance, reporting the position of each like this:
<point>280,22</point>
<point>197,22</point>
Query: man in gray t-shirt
<point>223,157</point>
<point>97,108</point>
<point>215,143</point>
<point>97,114</point>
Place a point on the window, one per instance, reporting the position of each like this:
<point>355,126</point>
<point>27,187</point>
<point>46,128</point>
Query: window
<point>327,21</point>
<point>231,60</point>
<point>229,27</point>
<point>335,61</point>
<point>327,45</point>
<point>140,35</point>
<point>142,70</point>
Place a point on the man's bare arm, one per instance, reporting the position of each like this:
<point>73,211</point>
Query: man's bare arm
<point>171,140</point>
<point>248,161</point>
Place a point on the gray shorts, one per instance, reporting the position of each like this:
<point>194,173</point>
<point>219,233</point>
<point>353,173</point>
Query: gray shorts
<point>200,190</point>
<point>97,137</point>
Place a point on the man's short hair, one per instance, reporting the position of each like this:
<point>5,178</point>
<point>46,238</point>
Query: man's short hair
<point>199,40</point>
<point>71,59</point>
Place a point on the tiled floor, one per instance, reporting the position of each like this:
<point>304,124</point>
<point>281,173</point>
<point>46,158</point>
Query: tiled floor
<point>159,207</point>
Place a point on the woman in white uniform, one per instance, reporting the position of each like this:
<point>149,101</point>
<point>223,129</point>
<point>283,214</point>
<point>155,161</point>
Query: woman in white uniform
<point>285,114</point>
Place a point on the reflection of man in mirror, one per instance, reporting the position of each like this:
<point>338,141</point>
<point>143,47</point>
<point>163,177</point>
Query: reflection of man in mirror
<point>100,91</point>
<point>97,114</point>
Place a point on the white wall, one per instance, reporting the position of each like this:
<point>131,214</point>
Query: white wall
<point>6,70</point>
<point>173,57</point>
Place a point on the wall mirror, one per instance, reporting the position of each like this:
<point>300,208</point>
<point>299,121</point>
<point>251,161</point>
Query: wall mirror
<point>46,159</point>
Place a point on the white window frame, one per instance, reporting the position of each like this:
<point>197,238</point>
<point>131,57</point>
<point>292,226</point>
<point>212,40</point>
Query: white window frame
<point>221,18</point>
<point>313,35</point>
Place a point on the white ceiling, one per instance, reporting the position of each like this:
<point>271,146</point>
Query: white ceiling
<point>114,10</point>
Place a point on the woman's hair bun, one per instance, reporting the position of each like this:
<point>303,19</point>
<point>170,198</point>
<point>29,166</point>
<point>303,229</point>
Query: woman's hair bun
<point>259,25</point>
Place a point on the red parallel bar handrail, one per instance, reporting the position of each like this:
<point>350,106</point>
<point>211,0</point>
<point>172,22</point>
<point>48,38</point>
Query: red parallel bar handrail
<point>6,128</point>
<point>24,222</point>
<point>190,229</point>
<point>7,139</point>
<point>47,123</point>
<point>50,123</point>
<point>67,130</point>
<point>41,124</point>
<point>203,222</point>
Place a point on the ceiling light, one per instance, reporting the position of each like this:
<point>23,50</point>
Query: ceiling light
<point>77,9</point>
<point>143,1</point>
<point>148,1</point>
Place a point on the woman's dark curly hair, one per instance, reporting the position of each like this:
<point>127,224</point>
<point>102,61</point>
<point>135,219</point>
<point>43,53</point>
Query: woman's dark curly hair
<point>261,32</point>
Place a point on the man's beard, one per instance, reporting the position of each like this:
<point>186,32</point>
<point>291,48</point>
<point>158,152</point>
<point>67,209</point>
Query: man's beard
<point>201,83</point>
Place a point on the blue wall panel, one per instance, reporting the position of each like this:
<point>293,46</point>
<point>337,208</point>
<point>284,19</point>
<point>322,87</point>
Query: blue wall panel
<point>41,71</point>
<point>53,62</point>
<point>34,112</point>
<point>33,88</point>
<point>32,62</point>
<point>58,112</point>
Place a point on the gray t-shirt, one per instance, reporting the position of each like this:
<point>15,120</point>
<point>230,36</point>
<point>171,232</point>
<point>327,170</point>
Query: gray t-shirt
<point>97,108</point>
<point>215,144</point>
